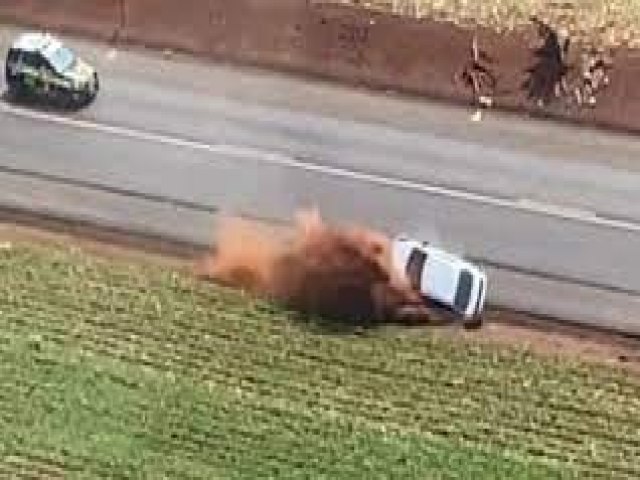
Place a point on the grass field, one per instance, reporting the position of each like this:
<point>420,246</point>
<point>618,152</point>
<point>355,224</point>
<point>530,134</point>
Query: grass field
<point>136,371</point>
<point>603,22</point>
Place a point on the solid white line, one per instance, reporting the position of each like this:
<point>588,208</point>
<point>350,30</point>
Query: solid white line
<point>274,158</point>
<point>544,207</point>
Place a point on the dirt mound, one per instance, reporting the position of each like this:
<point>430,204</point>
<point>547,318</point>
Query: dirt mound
<point>337,272</point>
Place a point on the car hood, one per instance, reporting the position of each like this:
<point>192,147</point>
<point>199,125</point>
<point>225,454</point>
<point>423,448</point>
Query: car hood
<point>81,72</point>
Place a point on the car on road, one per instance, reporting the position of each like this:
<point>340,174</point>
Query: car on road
<point>41,66</point>
<point>442,277</point>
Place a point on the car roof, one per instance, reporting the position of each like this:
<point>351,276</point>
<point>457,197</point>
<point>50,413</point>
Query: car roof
<point>36,42</point>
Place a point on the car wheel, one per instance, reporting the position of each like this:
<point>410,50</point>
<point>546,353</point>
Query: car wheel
<point>76,99</point>
<point>16,88</point>
<point>93,93</point>
<point>67,99</point>
<point>61,97</point>
<point>85,98</point>
<point>90,95</point>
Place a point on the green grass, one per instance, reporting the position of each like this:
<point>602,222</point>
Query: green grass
<point>608,23</point>
<point>133,371</point>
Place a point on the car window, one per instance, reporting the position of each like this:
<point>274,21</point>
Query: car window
<point>41,63</point>
<point>463,293</point>
<point>30,59</point>
<point>415,266</point>
<point>61,59</point>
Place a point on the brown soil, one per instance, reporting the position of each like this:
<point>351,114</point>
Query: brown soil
<point>553,338</point>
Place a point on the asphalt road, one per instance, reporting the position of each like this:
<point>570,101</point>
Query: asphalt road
<point>553,212</point>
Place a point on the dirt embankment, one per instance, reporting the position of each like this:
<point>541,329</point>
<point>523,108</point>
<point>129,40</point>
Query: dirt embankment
<point>525,70</point>
<point>337,272</point>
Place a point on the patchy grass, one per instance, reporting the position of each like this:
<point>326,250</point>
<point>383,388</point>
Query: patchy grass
<point>608,23</point>
<point>137,371</point>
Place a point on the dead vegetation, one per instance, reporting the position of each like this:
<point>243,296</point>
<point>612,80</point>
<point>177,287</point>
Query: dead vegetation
<point>572,76</point>
<point>562,73</point>
<point>571,63</point>
<point>602,23</point>
<point>477,75</point>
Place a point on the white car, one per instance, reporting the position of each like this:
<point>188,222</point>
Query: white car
<point>442,277</point>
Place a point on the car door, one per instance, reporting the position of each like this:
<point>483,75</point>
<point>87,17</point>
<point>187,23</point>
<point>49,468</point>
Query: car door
<point>28,70</point>
<point>47,78</point>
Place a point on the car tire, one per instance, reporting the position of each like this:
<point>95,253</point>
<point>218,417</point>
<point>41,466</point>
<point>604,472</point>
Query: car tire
<point>16,89</point>
<point>61,97</point>
<point>92,94</point>
<point>86,98</point>
<point>71,99</point>
<point>77,100</point>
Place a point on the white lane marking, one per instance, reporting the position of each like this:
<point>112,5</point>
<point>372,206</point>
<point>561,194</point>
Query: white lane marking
<point>544,207</point>
<point>112,54</point>
<point>279,159</point>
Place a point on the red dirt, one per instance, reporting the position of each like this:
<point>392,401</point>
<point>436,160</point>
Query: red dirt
<point>340,273</point>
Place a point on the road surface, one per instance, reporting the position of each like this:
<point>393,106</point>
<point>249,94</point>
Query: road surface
<point>553,212</point>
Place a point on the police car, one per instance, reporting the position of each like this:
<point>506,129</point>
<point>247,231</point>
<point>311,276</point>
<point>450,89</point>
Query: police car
<point>39,65</point>
<point>442,277</point>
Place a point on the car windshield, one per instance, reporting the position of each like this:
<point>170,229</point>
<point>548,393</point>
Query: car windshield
<point>415,264</point>
<point>463,293</point>
<point>61,58</point>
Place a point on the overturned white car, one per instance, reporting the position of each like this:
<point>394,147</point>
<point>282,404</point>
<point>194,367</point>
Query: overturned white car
<point>442,277</point>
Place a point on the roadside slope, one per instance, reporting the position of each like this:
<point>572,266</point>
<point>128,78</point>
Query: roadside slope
<point>137,368</point>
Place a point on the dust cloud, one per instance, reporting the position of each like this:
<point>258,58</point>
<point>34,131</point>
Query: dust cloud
<point>338,272</point>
